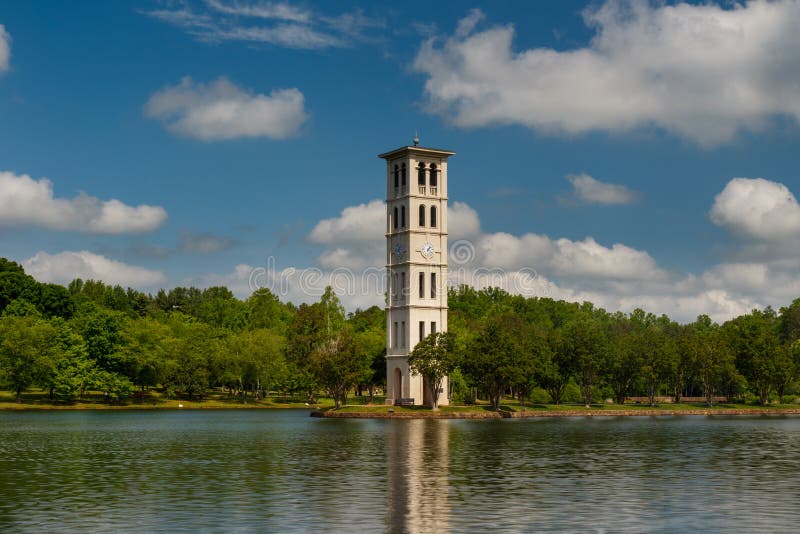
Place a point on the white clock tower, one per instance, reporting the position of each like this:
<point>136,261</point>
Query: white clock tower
<point>416,260</point>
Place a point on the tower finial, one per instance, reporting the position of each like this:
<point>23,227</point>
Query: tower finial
<point>416,138</point>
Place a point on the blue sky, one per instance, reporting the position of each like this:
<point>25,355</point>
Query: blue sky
<point>631,154</point>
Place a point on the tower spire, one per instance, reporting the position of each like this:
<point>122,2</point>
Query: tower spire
<point>416,138</point>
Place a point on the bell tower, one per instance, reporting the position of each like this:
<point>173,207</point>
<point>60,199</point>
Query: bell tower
<point>416,262</point>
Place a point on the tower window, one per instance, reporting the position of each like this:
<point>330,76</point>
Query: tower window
<point>421,330</point>
<point>433,285</point>
<point>402,216</point>
<point>403,174</point>
<point>394,336</point>
<point>403,284</point>
<point>403,334</point>
<point>433,327</point>
<point>434,175</point>
<point>433,216</point>
<point>394,223</point>
<point>422,215</point>
<point>421,174</point>
<point>422,285</point>
<point>396,176</point>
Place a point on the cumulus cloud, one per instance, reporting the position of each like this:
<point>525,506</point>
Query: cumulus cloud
<point>64,267</point>
<point>274,23</point>
<point>588,190</point>
<point>26,201</point>
<point>565,258</point>
<point>365,222</point>
<point>758,209</point>
<point>614,276</point>
<point>221,110</point>
<point>5,49</point>
<point>702,72</point>
<point>462,221</point>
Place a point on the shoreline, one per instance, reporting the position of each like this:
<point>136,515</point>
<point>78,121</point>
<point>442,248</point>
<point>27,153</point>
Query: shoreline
<point>531,414</point>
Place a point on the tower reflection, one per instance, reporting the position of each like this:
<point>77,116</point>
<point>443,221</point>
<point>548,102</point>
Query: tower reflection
<point>417,475</point>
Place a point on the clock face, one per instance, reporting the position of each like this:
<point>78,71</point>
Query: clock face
<point>398,250</point>
<point>427,250</point>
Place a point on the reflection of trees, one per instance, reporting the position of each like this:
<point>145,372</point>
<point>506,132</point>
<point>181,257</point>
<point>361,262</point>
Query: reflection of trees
<point>417,467</point>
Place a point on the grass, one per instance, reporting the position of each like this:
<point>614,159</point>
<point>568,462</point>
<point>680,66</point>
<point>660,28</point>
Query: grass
<point>512,405</point>
<point>39,400</point>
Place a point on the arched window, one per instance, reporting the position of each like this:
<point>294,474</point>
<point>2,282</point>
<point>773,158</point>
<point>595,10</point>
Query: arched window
<point>422,286</point>
<point>395,218</point>
<point>433,216</point>
<point>402,216</point>
<point>421,174</point>
<point>422,215</point>
<point>434,175</point>
<point>433,285</point>
<point>396,176</point>
<point>403,174</point>
<point>402,285</point>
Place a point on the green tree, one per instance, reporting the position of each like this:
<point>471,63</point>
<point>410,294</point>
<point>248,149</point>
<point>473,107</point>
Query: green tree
<point>21,308</point>
<point>27,348</point>
<point>622,364</point>
<point>142,351</point>
<point>534,350</point>
<point>586,345</point>
<point>712,357</point>
<point>73,371</point>
<point>191,348</point>
<point>754,338</point>
<point>434,359</point>
<point>337,366</point>
<point>492,356</point>
<point>264,310</point>
<point>100,328</point>
<point>556,366</point>
<point>658,355</point>
<point>787,361</point>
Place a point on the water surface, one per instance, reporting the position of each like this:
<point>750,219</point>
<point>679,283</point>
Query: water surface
<point>281,471</point>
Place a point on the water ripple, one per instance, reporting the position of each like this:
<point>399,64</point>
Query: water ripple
<point>244,471</point>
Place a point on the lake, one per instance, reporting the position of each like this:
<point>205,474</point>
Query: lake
<point>282,471</point>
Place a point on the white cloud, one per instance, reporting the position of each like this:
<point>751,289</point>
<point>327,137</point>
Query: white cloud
<point>592,191</point>
<point>615,277</point>
<point>5,49</point>
<point>565,258</point>
<point>703,72</point>
<point>64,267</point>
<point>221,110</point>
<point>758,209</point>
<point>279,10</point>
<point>275,23</point>
<point>462,221</point>
<point>365,222</point>
<point>26,201</point>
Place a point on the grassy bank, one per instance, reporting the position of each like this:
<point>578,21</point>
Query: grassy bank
<point>513,409</point>
<point>39,400</point>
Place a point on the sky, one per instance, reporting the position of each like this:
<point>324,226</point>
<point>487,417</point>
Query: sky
<point>631,154</point>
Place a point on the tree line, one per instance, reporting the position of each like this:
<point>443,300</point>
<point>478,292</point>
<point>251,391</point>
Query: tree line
<point>188,342</point>
<point>507,344</point>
